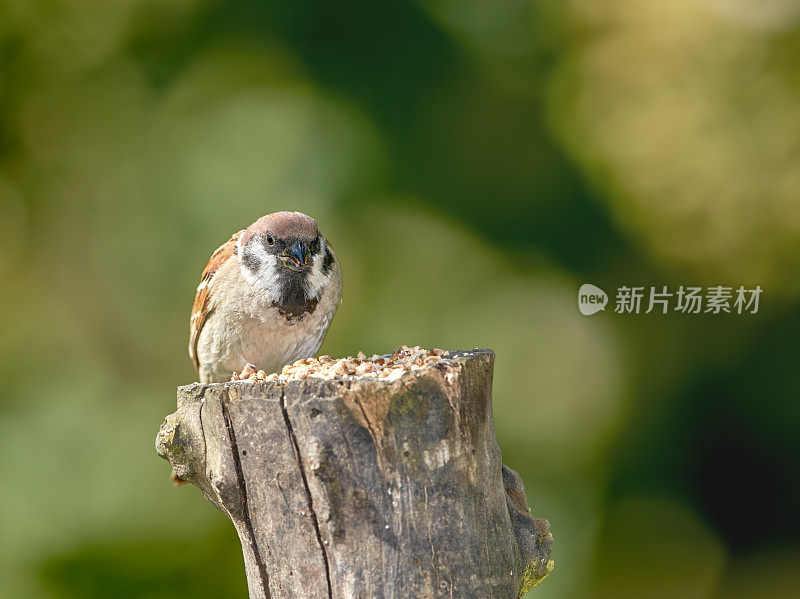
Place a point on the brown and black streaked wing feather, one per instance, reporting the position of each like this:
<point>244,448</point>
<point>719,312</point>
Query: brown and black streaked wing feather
<point>201,308</point>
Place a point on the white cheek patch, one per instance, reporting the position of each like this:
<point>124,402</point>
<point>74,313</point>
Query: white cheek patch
<point>267,274</point>
<point>316,281</point>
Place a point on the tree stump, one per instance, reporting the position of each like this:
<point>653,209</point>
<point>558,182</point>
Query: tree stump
<point>361,487</point>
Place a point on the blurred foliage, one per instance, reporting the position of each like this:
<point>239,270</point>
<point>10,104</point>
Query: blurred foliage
<point>473,163</point>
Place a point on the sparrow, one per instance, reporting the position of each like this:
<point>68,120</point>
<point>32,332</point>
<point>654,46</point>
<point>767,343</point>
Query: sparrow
<point>266,298</point>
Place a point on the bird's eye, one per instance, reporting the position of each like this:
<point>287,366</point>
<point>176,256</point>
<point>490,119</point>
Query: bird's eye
<point>270,240</point>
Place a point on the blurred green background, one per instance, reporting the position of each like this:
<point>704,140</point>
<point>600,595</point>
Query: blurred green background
<point>473,163</point>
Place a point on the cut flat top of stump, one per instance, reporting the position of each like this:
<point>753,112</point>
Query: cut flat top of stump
<point>385,368</point>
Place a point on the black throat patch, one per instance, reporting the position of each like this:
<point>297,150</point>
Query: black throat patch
<point>294,302</point>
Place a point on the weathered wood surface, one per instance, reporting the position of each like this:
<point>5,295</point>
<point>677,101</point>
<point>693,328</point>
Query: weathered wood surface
<point>363,488</point>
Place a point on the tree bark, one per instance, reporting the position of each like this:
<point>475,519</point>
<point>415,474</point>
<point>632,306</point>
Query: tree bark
<point>361,487</point>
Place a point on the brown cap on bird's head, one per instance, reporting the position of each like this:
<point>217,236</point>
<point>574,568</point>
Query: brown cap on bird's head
<point>284,225</point>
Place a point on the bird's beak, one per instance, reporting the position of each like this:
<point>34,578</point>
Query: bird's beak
<point>295,257</point>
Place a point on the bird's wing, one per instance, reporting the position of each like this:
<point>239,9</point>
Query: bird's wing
<point>202,308</point>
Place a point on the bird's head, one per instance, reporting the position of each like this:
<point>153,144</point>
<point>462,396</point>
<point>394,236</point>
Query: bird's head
<point>285,254</point>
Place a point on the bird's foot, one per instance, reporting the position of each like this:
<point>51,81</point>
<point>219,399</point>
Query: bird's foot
<point>249,373</point>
